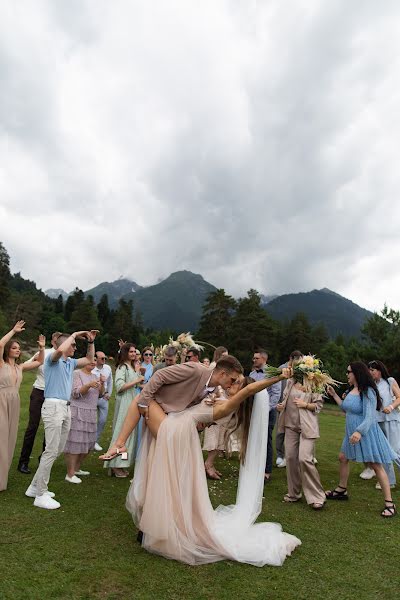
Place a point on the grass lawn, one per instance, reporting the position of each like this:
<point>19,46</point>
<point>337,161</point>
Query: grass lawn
<point>87,549</point>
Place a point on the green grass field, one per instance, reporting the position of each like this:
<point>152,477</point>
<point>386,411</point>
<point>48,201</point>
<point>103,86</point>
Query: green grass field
<point>87,549</point>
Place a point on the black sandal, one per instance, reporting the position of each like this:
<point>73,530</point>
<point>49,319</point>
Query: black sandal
<point>337,495</point>
<point>391,510</point>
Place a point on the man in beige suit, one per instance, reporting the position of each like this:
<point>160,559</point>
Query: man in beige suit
<point>175,388</point>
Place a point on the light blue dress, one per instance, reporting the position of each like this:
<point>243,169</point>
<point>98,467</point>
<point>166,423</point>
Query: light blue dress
<point>361,416</point>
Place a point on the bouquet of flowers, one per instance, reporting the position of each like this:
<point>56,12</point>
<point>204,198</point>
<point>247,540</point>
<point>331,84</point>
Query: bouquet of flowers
<point>184,340</point>
<point>309,372</point>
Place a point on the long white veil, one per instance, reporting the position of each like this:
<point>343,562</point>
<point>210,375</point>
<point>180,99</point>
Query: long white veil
<point>251,475</point>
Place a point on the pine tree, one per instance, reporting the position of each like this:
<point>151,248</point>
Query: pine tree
<point>5,276</point>
<point>216,318</point>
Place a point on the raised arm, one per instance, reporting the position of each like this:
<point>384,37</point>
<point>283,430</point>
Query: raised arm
<point>89,358</point>
<point>38,359</point>
<point>224,408</point>
<point>18,328</point>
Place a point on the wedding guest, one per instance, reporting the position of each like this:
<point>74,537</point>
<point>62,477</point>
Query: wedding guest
<point>364,440</point>
<point>35,406</point>
<point>260,359</point>
<point>215,438</point>
<point>388,417</point>
<point>206,362</point>
<point>147,364</point>
<point>280,436</point>
<point>101,368</point>
<point>56,415</point>
<point>10,381</point>
<point>170,359</point>
<point>127,381</point>
<point>87,388</point>
<point>299,420</point>
<point>193,355</point>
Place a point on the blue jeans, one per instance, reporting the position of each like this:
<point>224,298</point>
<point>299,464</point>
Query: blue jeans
<point>102,408</point>
<point>271,425</point>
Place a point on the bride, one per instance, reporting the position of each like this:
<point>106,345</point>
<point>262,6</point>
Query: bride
<point>169,498</point>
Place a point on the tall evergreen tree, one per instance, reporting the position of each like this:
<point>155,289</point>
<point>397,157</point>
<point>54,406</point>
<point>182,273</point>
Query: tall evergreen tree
<point>216,318</point>
<point>251,328</point>
<point>5,276</point>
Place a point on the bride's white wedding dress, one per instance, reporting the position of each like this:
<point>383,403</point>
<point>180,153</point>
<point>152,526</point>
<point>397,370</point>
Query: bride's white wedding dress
<point>169,498</point>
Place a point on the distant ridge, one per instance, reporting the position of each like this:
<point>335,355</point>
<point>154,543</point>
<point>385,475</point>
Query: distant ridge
<point>338,314</point>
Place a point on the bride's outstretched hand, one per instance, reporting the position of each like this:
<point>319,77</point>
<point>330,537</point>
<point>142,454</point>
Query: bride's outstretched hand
<point>114,451</point>
<point>287,372</point>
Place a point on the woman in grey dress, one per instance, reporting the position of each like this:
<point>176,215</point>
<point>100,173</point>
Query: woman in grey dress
<point>127,380</point>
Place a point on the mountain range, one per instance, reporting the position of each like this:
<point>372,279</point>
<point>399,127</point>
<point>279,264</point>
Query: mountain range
<point>176,303</point>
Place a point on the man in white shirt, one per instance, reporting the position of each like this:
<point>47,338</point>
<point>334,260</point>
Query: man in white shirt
<point>35,406</point>
<point>103,369</point>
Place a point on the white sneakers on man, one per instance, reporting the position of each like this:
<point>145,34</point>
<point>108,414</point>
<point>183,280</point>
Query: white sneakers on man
<point>44,501</point>
<point>367,473</point>
<point>97,447</point>
<point>73,479</point>
<point>280,462</point>
<point>31,492</point>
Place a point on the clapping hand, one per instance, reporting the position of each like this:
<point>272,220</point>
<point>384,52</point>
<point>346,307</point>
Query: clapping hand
<point>103,378</point>
<point>279,407</point>
<point>330,391</point>
<point>121,343</point>
<point>19,327</point>
<point>41,341</point>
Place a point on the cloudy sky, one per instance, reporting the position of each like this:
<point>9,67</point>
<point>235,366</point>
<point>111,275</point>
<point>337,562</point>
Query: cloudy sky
<point>254,142</point>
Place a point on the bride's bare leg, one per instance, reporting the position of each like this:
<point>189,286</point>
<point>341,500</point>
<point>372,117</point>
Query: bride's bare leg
<point>156,417</point>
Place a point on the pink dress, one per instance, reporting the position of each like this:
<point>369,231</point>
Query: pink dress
<point>169,502</point>
<point>10,381</point>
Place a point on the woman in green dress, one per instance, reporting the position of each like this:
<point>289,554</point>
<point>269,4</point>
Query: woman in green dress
<point>127,380</point>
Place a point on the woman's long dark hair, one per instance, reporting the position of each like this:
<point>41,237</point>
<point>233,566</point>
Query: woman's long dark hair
<point>123,356</point>
<point>365,380</point>
<point>379,366</point>
<point>242,418</point>
<point>6,352</point>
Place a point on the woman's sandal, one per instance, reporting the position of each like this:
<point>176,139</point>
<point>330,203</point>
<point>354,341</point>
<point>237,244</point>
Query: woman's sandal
<point>336,494</point>
<point>212,473</point>
<point>318,505</point>
<point>391,509</point>
<point>119,452</point>
<point>290,499</point>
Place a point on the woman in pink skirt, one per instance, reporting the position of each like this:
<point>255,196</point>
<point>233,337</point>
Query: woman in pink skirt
<point>82,436</point>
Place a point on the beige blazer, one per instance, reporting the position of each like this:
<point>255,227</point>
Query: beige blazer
<point>308,418</point>
<point>176,387</point>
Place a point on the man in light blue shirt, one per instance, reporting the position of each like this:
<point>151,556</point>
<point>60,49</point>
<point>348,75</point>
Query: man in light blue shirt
<point>58,373</point>
<point>260,358</point>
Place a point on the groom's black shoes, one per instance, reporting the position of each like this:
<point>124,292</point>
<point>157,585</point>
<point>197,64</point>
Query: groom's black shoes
<point>139,537</point>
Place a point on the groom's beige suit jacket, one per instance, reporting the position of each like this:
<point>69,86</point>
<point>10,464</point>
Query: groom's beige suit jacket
<point>175,388</point>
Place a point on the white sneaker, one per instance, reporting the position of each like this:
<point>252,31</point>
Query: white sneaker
<point>44,501</point>
<point>367,473</point>
<point>73,479</point>
<point>278,461</point>
<point>80,473</point>
<point>97,447</point>
<point>31,492</point>
<point>378,486</point>
<point>282,464</point>
<point>315,461</point>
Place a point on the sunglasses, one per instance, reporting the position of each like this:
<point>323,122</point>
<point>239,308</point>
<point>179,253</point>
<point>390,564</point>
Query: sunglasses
<point>102,358</point>
<point>348,371</point>
<point>147,354</point>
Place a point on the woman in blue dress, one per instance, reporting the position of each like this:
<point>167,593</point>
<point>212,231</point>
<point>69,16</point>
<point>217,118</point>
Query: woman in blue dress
<point>364,440</point>
<point>388,418</point>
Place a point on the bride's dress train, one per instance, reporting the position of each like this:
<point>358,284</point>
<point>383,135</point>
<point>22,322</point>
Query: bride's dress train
<point>169,498</point>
